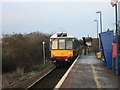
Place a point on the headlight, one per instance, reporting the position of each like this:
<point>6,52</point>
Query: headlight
<point>53,54</point>
<point>70,53</point>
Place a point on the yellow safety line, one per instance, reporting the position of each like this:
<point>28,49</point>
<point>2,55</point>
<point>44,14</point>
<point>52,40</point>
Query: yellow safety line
<point>95,78</point>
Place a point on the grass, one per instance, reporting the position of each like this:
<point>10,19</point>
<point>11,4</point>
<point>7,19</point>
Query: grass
<point>40,67</point>
<point>15,78</point>
<point>19,75</point>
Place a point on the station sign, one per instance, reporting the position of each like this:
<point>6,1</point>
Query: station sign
<point>87,41</point>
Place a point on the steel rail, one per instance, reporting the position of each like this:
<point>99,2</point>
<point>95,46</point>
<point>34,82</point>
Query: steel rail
<point>30,86</point>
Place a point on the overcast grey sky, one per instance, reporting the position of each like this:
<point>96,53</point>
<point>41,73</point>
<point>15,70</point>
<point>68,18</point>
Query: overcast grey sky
<point>75,18</point>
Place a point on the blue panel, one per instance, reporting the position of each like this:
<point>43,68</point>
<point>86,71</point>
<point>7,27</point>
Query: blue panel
<point>106,39</point>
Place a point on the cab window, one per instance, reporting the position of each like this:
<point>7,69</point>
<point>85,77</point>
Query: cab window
<point>54,44</point>
<point>69,44</point>
<point>61,43</point>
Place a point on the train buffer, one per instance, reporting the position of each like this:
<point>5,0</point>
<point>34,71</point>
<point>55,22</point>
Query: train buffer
<point>89,72</point>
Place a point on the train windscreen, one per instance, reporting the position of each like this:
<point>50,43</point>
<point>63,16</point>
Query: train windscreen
<point>54,44</point>
<point>69,44</point>
<point>61,43</point>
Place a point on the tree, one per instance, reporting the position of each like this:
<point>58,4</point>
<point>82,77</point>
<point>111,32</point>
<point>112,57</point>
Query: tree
<point>23,50</point>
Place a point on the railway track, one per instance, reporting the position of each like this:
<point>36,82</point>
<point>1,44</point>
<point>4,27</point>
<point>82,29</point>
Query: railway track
<point>49,80</point>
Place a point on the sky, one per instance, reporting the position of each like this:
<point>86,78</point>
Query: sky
<point>76,18</point>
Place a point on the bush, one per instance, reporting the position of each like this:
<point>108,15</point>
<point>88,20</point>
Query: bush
<point>23,50</point>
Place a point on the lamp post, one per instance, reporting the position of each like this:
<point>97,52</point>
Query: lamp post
<point>97,27</point>
<point>97,36</point>
<point>114,3</point>
<point>100,45</point>
<point>43,51</point>
<point>99,12</point>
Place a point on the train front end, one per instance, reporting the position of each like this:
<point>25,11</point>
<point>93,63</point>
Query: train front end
<point>61,46</point>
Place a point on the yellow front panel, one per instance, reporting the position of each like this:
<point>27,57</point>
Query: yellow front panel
<point>61,52</point>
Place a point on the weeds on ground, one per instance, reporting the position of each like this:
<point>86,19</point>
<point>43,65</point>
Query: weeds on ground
<point>40,67</point>
<point>20,75</point>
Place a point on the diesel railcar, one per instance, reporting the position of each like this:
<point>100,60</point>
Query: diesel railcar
<point>63,47</point>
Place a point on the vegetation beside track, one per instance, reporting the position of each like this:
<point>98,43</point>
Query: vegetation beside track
<point>23,51</point>
<point>22,80</point>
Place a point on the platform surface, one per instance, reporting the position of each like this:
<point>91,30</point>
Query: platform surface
<point>90,72</point>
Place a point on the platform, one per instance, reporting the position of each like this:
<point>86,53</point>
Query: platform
<point>88,72</point>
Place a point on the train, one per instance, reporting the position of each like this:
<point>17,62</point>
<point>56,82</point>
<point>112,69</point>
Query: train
<point>64,48</point>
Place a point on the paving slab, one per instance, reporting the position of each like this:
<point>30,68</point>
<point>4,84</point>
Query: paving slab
<point>90,72</point>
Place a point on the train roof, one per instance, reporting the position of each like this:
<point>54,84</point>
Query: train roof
<point>62,35</point>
